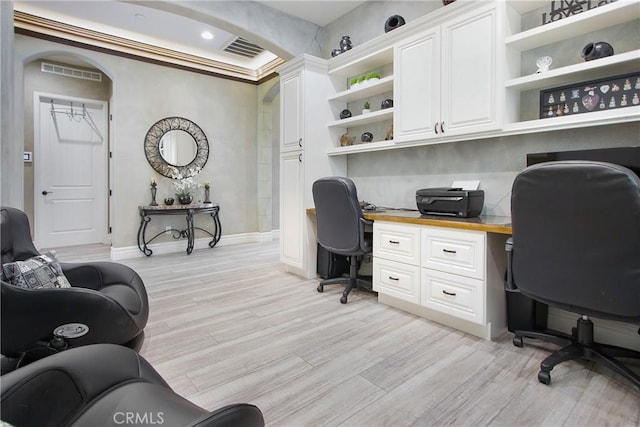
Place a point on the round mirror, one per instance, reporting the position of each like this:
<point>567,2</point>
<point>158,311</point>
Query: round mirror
<point>176,146</point>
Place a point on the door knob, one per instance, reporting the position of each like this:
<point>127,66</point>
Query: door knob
<point>45,192</point>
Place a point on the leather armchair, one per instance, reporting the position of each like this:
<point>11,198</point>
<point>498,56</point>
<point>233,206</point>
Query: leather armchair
<point>105,385</point>
<point>341,228</point>
<point>108,297</point>
<point>576,246</point>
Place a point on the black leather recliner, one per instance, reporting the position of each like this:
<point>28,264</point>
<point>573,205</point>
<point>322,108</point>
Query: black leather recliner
<point>576,246</point>
<point>108,297</point>
<point>341,228</point>
<point>105,385</point>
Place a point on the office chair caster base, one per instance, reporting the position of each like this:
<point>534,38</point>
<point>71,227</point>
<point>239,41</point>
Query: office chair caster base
<point>544,377</point>
<point>343,299</point>
<point>320,288</point>
<point>518,342</point>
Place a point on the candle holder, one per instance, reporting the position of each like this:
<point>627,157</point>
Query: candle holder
<point>206,193</point>
<point>154,190</point>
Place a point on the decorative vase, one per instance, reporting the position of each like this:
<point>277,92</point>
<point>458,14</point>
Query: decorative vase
<point>366,111</point>
<point>387,103</point>
<point>206,194</point>
<point>446,2</point>
<point>336,52</point>
<point>345,114</point>
<point>393,22</point>
<point>345,43</point>
<point>185,200</point>
<point>366,137</point>
<point>154,189</point>
<point>597,50</point>
<point>168,201</point>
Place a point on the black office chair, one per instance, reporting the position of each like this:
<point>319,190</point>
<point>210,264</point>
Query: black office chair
<point>105,385</point>
<point>107,297</point>
<point>576,246</point>
<point>341,228</point>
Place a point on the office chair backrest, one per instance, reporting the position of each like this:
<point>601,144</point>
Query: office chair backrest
<point>576,237</point>
<point>339,215</point>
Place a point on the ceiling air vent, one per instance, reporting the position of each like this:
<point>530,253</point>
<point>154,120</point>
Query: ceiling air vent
<point>71,72</point>
<point>245,48</point>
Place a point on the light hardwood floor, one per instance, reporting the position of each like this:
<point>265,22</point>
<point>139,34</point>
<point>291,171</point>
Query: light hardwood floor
<point>230,325</point>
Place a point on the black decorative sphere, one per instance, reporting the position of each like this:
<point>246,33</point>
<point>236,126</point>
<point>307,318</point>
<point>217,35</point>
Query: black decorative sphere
<point>387,103</point>
<point>366,137</point>
<point>345,114</point>
<point>393,22</point>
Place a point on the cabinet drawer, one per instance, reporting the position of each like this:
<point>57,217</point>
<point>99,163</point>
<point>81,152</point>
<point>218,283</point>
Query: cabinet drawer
<point>396,242</point>
<point>457,296</point>
<point>397,279</point>
<point>454,251</point>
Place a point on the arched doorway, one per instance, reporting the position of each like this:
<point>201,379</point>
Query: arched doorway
<point>66,128</point>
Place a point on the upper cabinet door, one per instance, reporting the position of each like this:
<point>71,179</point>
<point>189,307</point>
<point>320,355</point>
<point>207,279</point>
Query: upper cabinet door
<point>470,78</point>
<point>417,87</point>
<point>292,112</point>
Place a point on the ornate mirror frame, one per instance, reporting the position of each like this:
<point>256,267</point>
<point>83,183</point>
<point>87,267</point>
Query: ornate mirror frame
<point>152,146</point>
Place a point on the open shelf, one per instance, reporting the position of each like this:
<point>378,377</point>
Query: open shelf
<point>351,63</point>
<point>618,64</point>
<point>365,90</point>
<point>583,23</point>
<point>361,148</point>
<point>364,119</point>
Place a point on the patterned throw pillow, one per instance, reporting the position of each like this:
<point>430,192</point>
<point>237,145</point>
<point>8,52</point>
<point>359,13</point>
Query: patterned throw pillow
<point>42,271</point>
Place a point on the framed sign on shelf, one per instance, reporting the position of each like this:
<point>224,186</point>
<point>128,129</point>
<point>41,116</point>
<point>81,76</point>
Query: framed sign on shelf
<point>595,95</point>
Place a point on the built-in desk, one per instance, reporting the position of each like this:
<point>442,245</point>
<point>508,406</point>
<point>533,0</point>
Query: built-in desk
<point>447,269</point>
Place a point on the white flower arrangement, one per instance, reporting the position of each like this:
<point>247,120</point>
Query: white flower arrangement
<point>185,184</point>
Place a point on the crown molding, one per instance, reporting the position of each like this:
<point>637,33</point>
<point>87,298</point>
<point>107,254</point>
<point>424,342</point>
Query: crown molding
<point>34,25</point>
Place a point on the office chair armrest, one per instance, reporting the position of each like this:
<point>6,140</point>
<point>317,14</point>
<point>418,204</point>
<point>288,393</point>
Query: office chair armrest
<point>509,283</point>
<point>366,221</point>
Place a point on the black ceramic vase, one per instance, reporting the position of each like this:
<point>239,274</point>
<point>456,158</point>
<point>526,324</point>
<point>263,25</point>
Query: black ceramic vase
<point>345,114</point>
<point>366,137</point>
<point>345,43</point>
<point>168,201</point>
<point>597,50</point>
<point>393,22</point>
<point>185,200</point>
<point>387,103</point>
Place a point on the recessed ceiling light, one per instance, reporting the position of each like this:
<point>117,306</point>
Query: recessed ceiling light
<point>207,35</point>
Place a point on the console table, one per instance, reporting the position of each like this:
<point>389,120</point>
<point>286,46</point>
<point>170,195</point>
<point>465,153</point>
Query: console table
<point>189,211</point>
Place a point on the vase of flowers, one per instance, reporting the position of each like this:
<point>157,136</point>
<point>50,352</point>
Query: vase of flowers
<point>185,185</point>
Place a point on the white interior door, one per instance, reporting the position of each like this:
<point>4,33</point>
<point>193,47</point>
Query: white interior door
<point>70,165</point>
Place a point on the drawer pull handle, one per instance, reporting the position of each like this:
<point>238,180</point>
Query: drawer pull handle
<point>451,294</point>
<point>448,251</point>
<point>394,242</point>
<point>394,278</point>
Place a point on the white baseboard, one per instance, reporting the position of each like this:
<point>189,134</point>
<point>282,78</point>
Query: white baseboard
<point>177,246</point>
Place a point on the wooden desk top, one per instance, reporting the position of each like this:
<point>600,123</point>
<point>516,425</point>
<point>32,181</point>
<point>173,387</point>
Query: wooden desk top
<point>490,224</point>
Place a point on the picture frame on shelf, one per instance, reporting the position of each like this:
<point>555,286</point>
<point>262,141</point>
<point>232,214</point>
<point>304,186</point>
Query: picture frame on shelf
<point>589,96</point>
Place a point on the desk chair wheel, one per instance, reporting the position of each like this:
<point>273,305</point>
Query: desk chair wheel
<point>517,341</point>
<point>343,299</point>
<point>320,288</point>
<point>544,377</point>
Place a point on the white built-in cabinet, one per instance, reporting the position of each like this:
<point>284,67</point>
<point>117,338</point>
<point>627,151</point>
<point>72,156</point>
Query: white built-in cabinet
<point>448,275</point>
<point>447,79</point>
<point>304,83</point>
<point>292,125</point>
